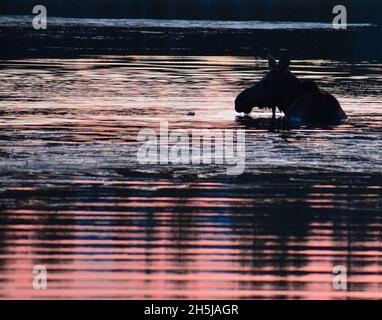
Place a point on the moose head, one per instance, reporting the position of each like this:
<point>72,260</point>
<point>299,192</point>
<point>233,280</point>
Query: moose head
<point>276,89</point>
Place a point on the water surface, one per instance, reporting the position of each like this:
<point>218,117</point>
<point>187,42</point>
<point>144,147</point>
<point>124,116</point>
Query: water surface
<point>74,198</point>
<point>25,21</point>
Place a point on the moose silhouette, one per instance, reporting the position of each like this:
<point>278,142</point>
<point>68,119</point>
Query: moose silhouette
<point>302,102</point>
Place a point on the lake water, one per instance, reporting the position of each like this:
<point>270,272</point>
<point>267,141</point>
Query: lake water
<point>25,21</point>
<point>74,198</point>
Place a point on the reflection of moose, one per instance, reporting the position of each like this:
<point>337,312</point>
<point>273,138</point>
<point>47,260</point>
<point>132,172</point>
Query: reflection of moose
<point>302,102</point>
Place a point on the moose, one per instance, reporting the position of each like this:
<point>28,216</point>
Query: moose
<point>302,102</point>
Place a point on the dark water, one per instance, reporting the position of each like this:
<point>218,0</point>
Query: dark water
<point>74,198</point>
<point>73,37</point>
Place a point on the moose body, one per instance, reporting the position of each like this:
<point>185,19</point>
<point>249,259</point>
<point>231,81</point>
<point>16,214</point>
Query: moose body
<point>302,102</point>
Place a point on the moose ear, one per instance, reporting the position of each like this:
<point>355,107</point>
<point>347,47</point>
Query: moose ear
<point>284,62</point>
<point>272,63</point>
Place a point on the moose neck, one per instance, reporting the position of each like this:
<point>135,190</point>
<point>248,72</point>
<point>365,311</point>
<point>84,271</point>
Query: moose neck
<point>294,88</point>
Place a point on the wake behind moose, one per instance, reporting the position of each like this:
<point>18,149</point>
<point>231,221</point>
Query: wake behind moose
<point>302,101</point>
